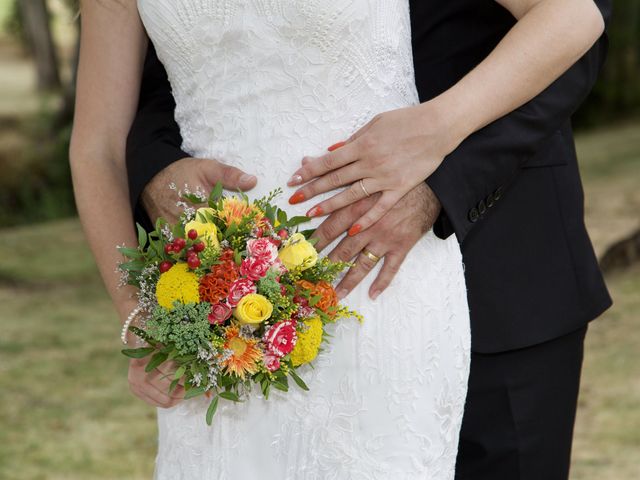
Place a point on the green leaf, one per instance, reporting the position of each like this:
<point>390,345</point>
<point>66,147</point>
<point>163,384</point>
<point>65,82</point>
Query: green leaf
<point>142,236</point>
<point>298,380</point>
<point>282,217</point>
<point>194,392</point>
<point>295,221</point>
<point>215,194</point>
<point>314,299</point>
<point>155,361</point>
<point>281,386</point>
<point>211,411</point>
<point>130,252</point>
<point>138,352</point>
<point>173,385</point>
<point>179,372</point>
<point>230,396</point>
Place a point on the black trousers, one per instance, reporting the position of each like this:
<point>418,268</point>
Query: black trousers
<point>520,411</point>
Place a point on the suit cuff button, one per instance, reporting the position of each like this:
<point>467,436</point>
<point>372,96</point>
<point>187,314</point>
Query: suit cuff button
<point>474,215</point>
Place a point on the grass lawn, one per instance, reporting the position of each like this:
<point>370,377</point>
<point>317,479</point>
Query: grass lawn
<point>66,412</point>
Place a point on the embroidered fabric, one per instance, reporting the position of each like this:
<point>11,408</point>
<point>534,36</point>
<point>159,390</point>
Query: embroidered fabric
<point>259,84</point>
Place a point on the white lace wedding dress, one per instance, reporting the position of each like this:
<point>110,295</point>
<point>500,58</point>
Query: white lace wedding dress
<point>259,84</point>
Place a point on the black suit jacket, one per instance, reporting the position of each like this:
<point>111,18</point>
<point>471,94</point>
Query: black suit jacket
<point>511,192</point>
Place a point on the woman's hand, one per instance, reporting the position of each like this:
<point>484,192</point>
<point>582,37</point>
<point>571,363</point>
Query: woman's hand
<point>153,387</point>
<point>393,153</point>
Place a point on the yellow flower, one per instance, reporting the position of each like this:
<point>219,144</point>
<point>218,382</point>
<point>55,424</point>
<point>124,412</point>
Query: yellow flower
<point>234,209</point>
<point>244,353</point>
<point>308,343</point>
<point>298,252</point>
<point>180,284</point>
<point>207,231</point>
<point>203,214</point>
<point>253,308</point>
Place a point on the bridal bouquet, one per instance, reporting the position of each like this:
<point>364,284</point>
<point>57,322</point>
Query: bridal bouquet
<point>233,295</point>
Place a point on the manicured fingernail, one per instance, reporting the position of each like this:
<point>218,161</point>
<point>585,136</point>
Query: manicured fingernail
<point>354,230</point>
<point>295,180</point>
<point>375,294</point>
<point>315,212</point>
<point>246,178</point>
<point>341,293</point>
<point>336,146</point>
<point>296,198</point>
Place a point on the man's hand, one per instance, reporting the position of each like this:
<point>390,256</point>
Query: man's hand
<point>159,201</point>
<point>392,237</point>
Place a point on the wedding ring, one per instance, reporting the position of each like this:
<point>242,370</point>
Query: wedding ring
<point>364,189</point>
<point>371,256</point>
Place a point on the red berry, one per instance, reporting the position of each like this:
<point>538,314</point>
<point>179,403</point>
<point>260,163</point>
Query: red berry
<point>168,248</point>
<point>191,251</point>
<point>276,241</point>
<point>198,247</point>
<point>193,262</point>
<point>179,243</point>
<point>259,232</point>
<point>165,266</point>
<point>193,234</point>
<point>283,233</point>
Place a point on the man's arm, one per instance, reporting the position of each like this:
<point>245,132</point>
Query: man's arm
<point>154,139</point>
<point>475,174</point>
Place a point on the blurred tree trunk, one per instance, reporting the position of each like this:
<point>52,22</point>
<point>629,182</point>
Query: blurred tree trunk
<point>37,26</point>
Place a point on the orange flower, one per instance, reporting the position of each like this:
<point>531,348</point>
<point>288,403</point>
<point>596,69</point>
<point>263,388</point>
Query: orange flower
<point>245,354</point>
<point>214,286</point>
<point>235,209</point>
<point>328,298</point>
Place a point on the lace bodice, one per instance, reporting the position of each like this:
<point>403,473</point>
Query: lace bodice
<point>251,78</point>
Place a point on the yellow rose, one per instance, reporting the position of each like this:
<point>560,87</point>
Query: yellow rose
<point>202,214</point>
<point>253,308</point>
<point>206,231</point>
<point>298,252</point>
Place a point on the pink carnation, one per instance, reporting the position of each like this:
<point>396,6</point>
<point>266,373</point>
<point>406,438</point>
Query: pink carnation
<point>262,248</point>
<point>219,313</point>
<point>238,289</point>
<point>271,361</point>
<point>281,338</point>
<point>254,268</point>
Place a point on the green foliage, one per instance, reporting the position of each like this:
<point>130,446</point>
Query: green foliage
<point>324,270</point>
<point>186,326</point>
<point>617,93</point>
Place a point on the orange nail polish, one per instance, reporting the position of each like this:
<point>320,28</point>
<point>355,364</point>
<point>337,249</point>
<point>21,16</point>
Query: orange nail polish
<point>336,146</point>
<point>315,212</point>
<point>296,198</point>
<point>354,230</point>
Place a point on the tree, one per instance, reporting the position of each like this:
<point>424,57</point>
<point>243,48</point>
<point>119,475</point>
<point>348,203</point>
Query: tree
<point>36,21</point>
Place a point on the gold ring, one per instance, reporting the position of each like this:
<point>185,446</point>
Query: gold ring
<point>364,189</point>
<point>371,256</point>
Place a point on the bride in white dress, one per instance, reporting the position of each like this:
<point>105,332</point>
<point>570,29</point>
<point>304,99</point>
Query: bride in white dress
<point>259,84</point>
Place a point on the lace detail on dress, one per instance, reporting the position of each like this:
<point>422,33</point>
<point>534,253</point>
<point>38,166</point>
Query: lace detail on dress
<point>259,84</point>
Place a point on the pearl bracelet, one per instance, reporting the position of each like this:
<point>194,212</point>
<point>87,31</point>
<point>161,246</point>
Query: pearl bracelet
<point>125,327</point>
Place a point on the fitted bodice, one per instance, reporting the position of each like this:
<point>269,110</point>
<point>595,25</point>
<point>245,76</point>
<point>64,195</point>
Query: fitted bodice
<point>261,83</point>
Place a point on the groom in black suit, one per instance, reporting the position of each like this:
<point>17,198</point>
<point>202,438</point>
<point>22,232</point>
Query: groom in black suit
<point>512,195</point>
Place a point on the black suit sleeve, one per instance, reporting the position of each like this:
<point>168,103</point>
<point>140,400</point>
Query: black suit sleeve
<point>477,171</point>
<point>154,139</point>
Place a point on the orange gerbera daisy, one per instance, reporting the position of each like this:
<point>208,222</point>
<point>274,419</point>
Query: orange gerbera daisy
<point>234,209</point>
<point>244,359</point>
<point>328,298</point>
